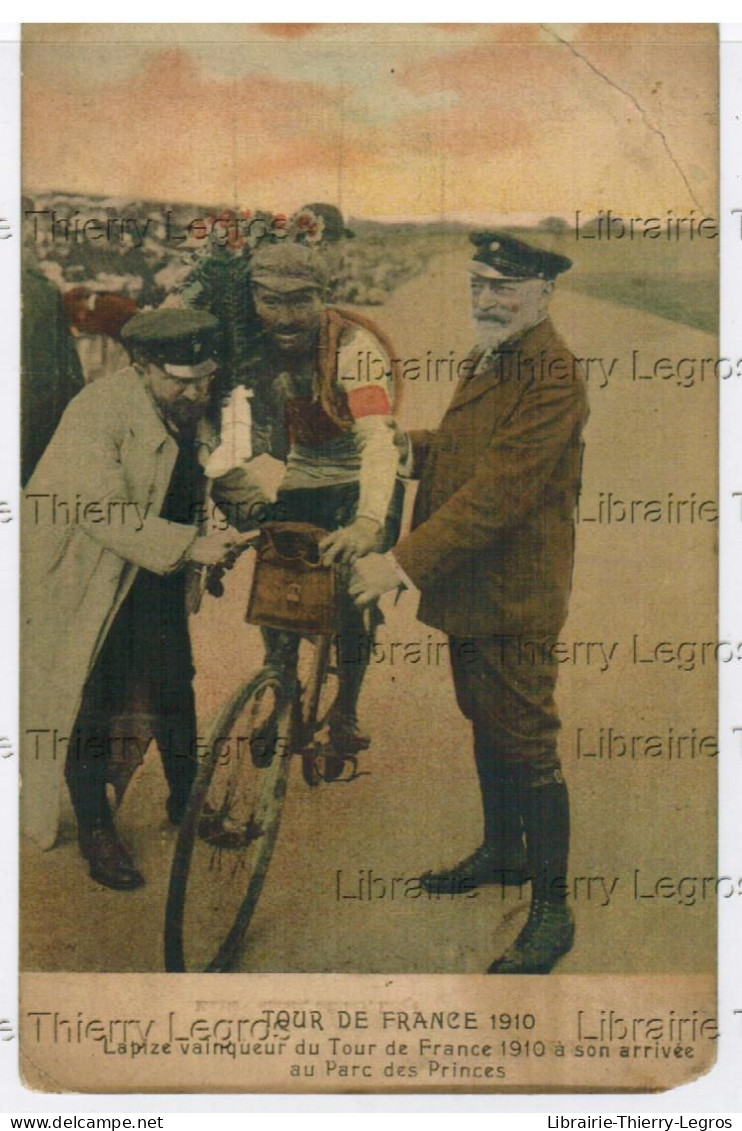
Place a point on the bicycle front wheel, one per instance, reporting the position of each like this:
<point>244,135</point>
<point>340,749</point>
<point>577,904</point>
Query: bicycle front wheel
<point>229,831</point>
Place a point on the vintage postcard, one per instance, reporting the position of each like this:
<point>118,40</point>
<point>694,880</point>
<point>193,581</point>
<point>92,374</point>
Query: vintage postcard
<point>369,518</point>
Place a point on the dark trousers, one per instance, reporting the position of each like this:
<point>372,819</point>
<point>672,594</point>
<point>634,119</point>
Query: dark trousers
<point>332,507</point>
<point>505,686</point>
<point>144,672</point>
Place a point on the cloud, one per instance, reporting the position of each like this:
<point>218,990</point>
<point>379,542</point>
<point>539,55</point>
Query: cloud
<point>176,133</point>
<point>393,121</point>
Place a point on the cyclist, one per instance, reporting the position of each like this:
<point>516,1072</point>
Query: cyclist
<point>323,385</point>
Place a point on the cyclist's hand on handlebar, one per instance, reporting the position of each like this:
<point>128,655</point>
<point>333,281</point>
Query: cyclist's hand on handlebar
<point>372,576</point>
<point>350,542</point>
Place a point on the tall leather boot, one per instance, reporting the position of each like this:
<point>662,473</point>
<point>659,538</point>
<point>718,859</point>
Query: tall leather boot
<point>500,859</point>
<point>549,930</point>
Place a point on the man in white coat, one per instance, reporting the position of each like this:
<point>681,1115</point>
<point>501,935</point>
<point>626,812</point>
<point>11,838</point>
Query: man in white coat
<point>113,516</point>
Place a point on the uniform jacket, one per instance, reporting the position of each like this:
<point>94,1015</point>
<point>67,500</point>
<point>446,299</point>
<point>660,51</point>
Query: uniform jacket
<point>492,542</point>
<point>90,521</point>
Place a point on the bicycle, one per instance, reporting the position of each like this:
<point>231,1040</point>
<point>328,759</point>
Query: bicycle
<point>229,831</point>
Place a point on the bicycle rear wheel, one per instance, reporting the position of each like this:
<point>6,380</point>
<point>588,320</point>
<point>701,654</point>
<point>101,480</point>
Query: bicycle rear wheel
<point>229,831</point>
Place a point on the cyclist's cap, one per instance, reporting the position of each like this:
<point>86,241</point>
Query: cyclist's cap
<point>502,256</point>
<point>183,342</point>
<point>288,267</point>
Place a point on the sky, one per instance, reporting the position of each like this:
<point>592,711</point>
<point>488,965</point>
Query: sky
<point>389,121</point>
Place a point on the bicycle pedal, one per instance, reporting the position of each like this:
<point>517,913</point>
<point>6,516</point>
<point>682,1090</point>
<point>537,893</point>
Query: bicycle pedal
<point>339,769</point>
<point>215,831</point>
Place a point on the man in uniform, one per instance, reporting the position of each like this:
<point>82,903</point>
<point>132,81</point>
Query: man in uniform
<point>491,551</point>
<point>112,521</point>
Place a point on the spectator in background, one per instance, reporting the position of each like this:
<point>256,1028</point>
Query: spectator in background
<point>51,373</point>
<point>332,247</point>
<point>96,319</point>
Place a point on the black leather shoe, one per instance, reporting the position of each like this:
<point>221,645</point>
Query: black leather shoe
<point>548,934</point>
<point>486,865</point>
<point>346,736</point>
<point>338,768</point>
<point>110,863</point>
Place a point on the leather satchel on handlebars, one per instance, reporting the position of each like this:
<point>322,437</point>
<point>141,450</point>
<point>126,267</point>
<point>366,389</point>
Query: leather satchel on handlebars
<point>291,588</point>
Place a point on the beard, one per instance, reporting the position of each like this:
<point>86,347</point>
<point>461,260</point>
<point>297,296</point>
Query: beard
<point>185,415</point>
<point>492,334</point>
<point>293,353</point>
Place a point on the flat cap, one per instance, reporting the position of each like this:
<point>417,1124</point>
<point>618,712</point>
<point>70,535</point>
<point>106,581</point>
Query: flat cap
<point>287,267</point>
<point>183,340</point>
<point>500,255</point>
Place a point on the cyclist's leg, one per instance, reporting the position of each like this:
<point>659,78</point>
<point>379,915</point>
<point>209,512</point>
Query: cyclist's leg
<point>332,507</point>
<point>281,649</point>
<point>281,654</point>
<point>356,637</point>
<point>338,508</point>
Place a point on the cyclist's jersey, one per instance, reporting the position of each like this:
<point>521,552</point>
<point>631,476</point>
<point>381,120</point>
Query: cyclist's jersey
<point>339,434</point>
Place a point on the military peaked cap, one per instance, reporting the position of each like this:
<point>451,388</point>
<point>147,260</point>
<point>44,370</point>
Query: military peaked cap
<point>500,255</point>
<point>183,340</point>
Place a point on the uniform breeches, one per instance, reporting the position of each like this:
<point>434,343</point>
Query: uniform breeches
<point>505,686</point>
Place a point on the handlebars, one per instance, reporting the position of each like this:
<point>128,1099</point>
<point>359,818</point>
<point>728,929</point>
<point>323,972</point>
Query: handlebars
<point>214,574</point>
